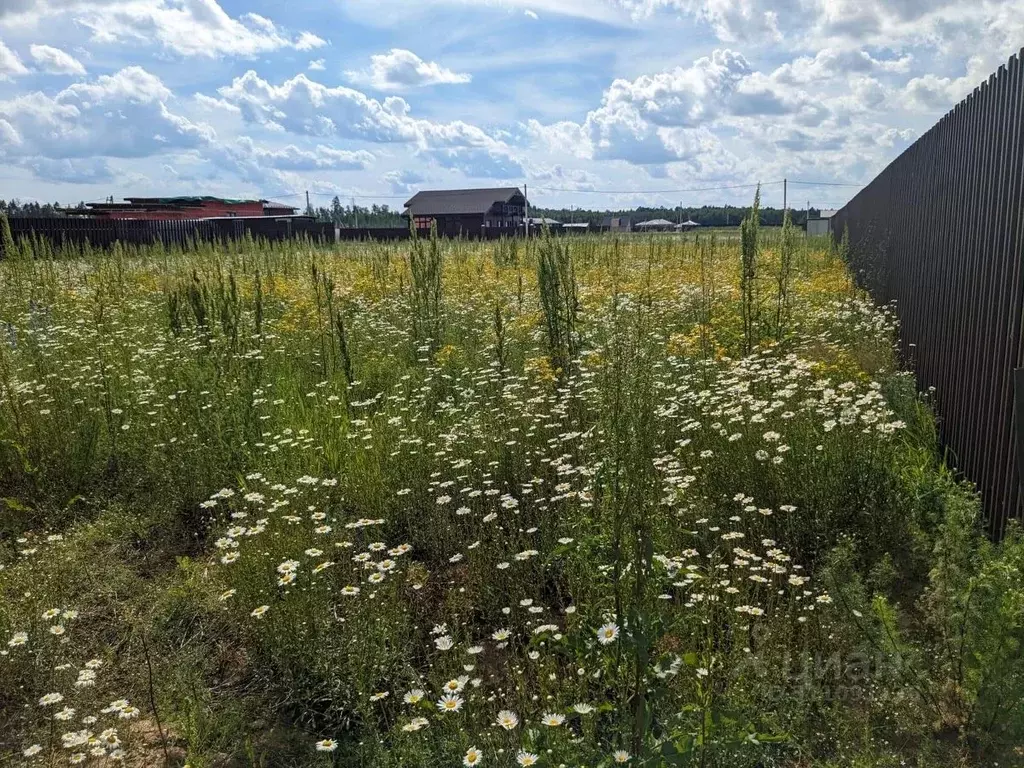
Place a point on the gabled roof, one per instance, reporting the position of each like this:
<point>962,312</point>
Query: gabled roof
<point>458,201</point>
<point>656,223</point>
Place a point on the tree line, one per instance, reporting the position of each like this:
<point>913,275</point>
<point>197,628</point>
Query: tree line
<point>357,215</point>
<point>706,215</point>
<point>15,207</point>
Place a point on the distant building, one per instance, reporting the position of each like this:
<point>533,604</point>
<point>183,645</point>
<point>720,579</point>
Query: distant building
<point>173,208</point>
<point>616,224</point>
<point>687,225</point>
<point>539,224</point>
<point>656,225</point>
<point>822,223</point>
<point>270,208</point>
<point>468,211</point>
<point>577,226</point>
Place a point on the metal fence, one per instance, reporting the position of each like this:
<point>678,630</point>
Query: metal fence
<point>403,233</point>
<point>373,233</point>
<point>941,232</point>
<point>103,233</point>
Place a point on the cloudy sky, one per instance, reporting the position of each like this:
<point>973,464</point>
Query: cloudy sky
<point>593,103</point>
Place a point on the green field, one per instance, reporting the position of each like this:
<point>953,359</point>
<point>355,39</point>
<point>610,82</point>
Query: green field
<point>661,501</point>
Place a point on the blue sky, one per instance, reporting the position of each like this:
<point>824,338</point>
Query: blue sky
<point>592,103</point>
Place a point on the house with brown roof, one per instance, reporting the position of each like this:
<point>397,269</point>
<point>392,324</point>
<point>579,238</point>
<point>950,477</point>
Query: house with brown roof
<point>468,211</point>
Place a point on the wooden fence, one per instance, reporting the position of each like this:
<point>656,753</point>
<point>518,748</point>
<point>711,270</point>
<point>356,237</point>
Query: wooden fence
<point>941,232</point>
<point>103,233</point>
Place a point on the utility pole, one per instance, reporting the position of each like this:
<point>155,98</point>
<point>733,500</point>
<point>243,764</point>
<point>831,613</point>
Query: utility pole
<point>355,212</point>
<point>307,201</point>
<point>680,212</point>
<point>526,201</point>
<point>784,191</point>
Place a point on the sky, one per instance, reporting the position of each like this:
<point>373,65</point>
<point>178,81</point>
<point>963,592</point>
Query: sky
<point>601,104</point>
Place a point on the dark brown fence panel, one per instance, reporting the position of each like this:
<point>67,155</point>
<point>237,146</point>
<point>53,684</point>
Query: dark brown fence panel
<point>373,233</point>
<point>402,233</point>
<point>103,233</point>
<point>58,231</point>
<point>941,232</point>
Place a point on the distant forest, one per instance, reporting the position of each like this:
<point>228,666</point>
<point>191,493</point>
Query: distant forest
<point>18,208</point>
<point>706,216</point>
<point>358,216</point>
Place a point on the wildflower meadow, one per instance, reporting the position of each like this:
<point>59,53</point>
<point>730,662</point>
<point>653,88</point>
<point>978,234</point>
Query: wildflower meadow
<point>565,501</point>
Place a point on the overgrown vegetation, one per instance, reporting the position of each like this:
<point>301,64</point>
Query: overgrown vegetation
<point>654,501</point>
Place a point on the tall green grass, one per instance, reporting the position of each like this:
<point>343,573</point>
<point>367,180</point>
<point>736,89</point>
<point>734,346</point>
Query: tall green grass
<point>663,501</point>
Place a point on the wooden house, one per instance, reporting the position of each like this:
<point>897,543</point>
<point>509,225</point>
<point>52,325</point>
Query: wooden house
<point>468,211</point>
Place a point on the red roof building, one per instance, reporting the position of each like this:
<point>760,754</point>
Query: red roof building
<point>172,208</point>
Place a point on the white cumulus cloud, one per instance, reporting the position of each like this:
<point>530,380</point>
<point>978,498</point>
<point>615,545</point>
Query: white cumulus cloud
<point>303,106</point>
<point>399,69</point>
<point>208,102</point>
<point>930,93</point>
<point>292,158</point>
<point>8,136</point>
<point>55,61</point>
<point>264,165</point>
<point>184,27</point>
<point>93,170</point>
<point>10,63</point>
<point>834,62</point>
<point>719,117</point>
<point>403,182</point>
<point>119,115</point>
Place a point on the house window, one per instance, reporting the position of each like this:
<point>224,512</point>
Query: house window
<point>422,222</point>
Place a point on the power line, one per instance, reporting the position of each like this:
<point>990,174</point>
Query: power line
<point>823,183</point>
<point>581,191</point>
<point>279,195</point>
<point>360,197</point>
